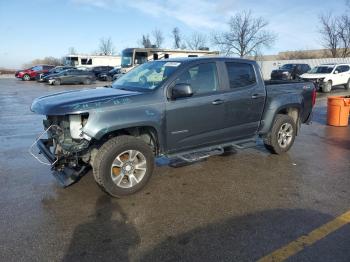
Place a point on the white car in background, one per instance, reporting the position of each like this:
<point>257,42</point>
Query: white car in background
<point>328,75</point>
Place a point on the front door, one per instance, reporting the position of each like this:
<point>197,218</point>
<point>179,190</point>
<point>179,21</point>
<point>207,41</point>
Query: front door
<point>198,120</point>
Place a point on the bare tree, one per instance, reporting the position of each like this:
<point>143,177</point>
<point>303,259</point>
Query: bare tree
<point>343,27</point>
<point>246,35</point>
<point>196,41</point>
<point>106,46</point>
<point>177,37</point>
<point>72,51</point>
<point>158,37</point>
<point>46,61</point>
<point>145,41</point>
<point>329,33</point>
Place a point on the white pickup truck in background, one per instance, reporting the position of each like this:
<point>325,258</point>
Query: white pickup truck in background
<point>328,75</point>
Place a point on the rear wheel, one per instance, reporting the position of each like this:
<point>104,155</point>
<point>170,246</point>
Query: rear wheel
<point>26,77</point>
<point>347,85</point>
<point>123,165</point>
<point>327,87</point>
<point>87,81</point>
<point>282,135</point>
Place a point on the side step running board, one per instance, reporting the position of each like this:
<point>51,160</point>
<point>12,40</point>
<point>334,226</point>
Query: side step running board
<point>188,157</point>
<point>196,156</point>
<point>244,144</point>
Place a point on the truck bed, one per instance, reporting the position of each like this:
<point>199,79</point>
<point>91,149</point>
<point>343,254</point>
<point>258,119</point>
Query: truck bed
<point>281,92</point>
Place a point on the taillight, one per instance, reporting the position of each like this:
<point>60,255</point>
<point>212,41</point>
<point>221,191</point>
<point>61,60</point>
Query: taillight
<point>313,96</point>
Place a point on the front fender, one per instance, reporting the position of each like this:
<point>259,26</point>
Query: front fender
<point>103,122</point>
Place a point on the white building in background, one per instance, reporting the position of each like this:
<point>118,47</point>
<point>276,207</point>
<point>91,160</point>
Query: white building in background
<point>92,60</point>
<point>268,66</point>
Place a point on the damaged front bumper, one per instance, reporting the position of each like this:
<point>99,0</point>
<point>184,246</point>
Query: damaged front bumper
<point>64,174</point>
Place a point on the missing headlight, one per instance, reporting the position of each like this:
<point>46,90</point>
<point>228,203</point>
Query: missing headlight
<point>76,123</point>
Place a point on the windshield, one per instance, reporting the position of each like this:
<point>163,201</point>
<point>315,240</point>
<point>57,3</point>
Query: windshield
<point>321,70</point>
<point>126,59</point>
<point>287,67</point>
<point>147,76</point>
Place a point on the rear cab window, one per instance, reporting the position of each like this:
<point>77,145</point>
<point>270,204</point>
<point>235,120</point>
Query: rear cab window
<point>240,75</point>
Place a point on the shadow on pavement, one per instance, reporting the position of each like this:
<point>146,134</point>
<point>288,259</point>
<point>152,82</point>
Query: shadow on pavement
<point>104,239</point>
<point>245,238</point>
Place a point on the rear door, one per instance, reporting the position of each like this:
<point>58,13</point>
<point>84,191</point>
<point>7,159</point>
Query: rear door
<point>244,99</point>
<point>198,120</point>
<point>69,76</point>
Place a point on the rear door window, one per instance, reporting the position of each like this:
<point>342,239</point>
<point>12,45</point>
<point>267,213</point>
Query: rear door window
<point>342,68</point>
<point>240,74</point>
<point>37,68</point>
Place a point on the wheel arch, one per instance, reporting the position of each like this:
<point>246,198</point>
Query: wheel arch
<point>292,110</point>
<point>147,133</point>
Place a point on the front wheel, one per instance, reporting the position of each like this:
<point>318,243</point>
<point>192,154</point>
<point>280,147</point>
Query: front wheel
<point>327,87</point>
<point>282,135</point>
<point>123,165</point>
<point>57,82</point>
<point>26,77</point>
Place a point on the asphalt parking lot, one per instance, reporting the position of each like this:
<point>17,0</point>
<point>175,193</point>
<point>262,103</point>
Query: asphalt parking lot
<point>241,207</point>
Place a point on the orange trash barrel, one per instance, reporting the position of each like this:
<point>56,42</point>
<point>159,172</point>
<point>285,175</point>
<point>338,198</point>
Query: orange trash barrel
<point>338,108</point>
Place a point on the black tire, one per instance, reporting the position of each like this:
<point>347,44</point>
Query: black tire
<point>229,151</point>
<point>57,82</point>
<point>102,164</point>
<point>271,141</point>
<point>87,81</point>
<point>327,87</point>
<point>26,77</point>
<point>347,85</point>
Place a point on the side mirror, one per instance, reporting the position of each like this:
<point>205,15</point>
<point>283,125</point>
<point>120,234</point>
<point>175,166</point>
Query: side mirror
<point>181,91</point>
<point>336,72</point>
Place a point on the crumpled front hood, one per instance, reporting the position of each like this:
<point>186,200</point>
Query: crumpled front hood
<point>313,76</point>
<point>80,101</point>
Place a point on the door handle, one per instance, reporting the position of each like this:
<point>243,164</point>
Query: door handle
<point>255,96</point>
<point>217,102</point>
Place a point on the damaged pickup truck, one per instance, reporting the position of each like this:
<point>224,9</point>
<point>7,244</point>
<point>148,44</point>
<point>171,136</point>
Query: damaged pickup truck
<point>187,109</point>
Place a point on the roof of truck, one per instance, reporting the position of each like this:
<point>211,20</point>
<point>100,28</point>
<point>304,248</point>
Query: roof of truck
<point>191,59</point>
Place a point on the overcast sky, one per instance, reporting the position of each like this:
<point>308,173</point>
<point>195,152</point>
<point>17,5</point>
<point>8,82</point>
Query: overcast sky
<point>39,28</point>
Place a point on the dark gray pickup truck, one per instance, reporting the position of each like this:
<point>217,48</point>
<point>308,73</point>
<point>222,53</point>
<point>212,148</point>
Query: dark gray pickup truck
<point>186,109</point>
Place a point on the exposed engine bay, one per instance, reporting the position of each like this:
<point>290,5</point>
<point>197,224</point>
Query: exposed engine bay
<point>67,141</point>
